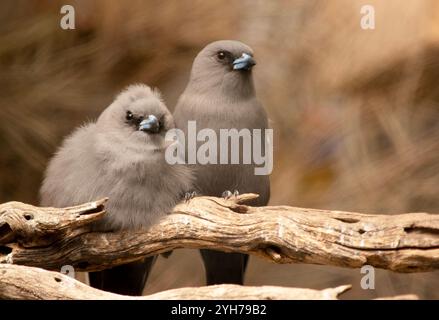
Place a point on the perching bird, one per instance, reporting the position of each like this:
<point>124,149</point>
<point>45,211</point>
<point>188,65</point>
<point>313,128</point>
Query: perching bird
<point>221,95</point>
<point>120,156</point>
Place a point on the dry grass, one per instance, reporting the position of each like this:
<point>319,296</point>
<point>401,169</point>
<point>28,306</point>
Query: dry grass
<point>355,112</point>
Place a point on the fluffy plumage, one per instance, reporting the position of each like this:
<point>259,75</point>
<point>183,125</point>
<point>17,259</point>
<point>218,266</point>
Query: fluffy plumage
<point>120,156</point>
<point>111,158</point>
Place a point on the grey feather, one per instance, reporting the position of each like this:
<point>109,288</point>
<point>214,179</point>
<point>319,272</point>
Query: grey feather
<point>219,97</point>
<point>110,158</point>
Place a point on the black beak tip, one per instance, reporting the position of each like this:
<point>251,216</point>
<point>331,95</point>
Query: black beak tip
<point>150,125</point>
<point>245,62</point>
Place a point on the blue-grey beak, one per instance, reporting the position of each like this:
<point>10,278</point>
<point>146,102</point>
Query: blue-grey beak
<point>244,62</point>
<point>150,124</point>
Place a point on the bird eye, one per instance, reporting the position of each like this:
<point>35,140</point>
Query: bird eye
<point>129,115</point>
<point>221,55</point>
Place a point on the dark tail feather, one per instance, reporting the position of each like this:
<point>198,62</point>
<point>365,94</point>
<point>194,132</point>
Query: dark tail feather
<point>224,267</point>
<point>128,279</point>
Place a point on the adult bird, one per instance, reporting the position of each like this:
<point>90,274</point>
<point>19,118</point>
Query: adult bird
<point>221,95</point>
<point>120,156</point>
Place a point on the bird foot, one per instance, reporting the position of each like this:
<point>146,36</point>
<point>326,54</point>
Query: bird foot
<point>228,194</point>
<point>189,195</point>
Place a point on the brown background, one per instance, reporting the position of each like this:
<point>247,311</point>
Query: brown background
<point>355,112</point>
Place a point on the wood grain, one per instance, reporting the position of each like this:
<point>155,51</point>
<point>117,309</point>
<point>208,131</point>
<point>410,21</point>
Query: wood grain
<point>30,283</point>
<point>50,238</point>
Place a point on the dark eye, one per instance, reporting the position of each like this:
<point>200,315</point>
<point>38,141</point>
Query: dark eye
<point>221,55</point>
<point>129,115</point>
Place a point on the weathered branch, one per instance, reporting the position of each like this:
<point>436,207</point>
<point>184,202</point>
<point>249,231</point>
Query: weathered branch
<point>20,282</point>
<point>50,238</point>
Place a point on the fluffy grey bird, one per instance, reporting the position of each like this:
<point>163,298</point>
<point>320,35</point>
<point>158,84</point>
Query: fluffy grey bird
<point>120,156</point>
<point>221,95</point>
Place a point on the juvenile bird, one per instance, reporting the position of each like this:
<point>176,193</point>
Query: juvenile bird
<point>221,95</point>
<point>120,156</point>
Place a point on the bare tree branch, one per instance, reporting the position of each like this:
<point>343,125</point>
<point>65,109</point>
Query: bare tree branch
<point>20,282</point>
<point>50,238</point>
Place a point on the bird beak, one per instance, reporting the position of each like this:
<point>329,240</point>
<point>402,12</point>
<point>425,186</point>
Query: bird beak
<point>150,124</point>
<point>245,62</point>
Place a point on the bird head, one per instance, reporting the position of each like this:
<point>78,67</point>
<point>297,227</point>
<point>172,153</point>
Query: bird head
<point>226,55</point>
<point>137,116</point>
<point>224,67</point>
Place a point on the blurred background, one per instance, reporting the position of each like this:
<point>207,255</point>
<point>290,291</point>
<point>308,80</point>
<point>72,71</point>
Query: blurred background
<point>355,112</point>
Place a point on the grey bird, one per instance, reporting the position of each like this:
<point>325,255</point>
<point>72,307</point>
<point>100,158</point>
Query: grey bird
<point>221,95</point>
<point>120,156</point>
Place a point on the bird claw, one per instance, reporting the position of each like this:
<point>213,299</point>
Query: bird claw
<point>189,195</point>
<point>228,194</point>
